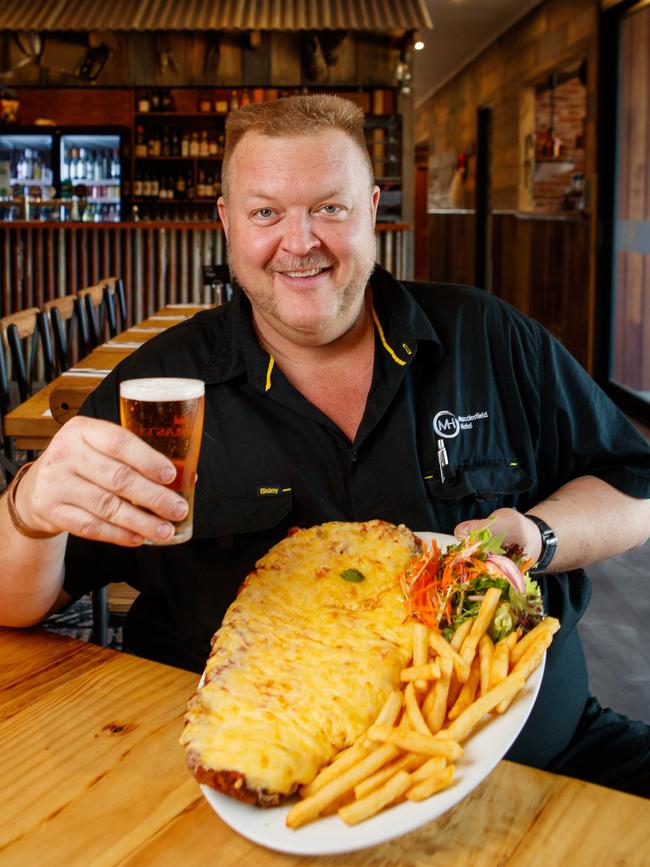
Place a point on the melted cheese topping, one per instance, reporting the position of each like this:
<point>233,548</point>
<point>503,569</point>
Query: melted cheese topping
<point>304,659</point>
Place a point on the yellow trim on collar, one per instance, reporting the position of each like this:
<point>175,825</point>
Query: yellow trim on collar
<point>382,337</point>
<point>267,387</point>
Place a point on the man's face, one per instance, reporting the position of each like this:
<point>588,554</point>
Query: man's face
<point>300,226</point>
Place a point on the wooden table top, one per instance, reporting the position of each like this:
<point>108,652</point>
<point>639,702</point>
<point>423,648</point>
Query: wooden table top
<point>91,773</point>
<point>31,423</point>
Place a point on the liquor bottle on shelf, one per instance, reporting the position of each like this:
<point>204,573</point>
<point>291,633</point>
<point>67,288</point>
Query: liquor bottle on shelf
<point>74,165</point>
<point>200,186</point>
<point>191,189</point>
<point>181,187</point>
<point>65,166</point>
<point>115,164</point>
<point>204,146</point>
<point>220,146</point>
<point>144,103</point>
<point>245,98</point>
<point>194,145</point>
<point>175,146</point>
<point>166,145</point>
<point>137,186</point>
<point>213,147</point>
<point>234,100</point>
<point>185,145</point>
<point>221,104</point>
<point>155,101</point>
<point>140,143</point>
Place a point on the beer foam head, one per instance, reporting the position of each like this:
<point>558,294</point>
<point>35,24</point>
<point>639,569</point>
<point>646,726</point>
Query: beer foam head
<point>162,388</point>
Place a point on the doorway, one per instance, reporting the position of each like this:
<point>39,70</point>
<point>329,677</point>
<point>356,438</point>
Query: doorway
<point>421,234</point>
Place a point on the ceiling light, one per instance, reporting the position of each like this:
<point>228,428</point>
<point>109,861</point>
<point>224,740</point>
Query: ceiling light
<point>419,45</point>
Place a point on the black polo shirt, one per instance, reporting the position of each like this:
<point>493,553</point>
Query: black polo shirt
<point>517,415</point>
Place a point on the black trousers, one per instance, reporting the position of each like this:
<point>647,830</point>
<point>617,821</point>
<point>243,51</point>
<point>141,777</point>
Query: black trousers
<point>609,749</point>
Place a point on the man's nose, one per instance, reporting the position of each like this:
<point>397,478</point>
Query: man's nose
<point>299,237</point>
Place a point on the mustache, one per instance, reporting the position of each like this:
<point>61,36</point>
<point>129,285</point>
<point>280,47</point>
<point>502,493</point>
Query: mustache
<point>301,263</point>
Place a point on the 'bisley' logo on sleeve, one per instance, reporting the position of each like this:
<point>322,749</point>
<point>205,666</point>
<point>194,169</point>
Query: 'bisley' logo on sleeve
<point>448,425</point>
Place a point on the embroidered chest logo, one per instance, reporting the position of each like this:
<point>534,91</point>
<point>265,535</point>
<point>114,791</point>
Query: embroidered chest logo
<point>448,425</point>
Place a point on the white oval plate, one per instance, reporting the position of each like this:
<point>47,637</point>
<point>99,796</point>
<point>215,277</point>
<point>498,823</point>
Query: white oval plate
<point>484,748</point>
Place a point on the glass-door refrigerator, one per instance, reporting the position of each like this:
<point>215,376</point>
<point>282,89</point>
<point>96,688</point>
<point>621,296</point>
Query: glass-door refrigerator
<point>27,172</point>
<point>91,172</point>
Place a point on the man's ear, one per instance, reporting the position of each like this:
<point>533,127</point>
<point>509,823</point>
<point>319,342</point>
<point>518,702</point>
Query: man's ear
<point>375,202</point>
<point>223,214</point>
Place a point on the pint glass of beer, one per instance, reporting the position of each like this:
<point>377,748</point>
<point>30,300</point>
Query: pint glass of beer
<point>167,413</point>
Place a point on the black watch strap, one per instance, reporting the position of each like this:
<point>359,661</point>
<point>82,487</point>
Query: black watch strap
<point>549,545</point>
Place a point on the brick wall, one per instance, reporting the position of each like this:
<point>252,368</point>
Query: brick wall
<point>568,106</point>
<point>555,35</point>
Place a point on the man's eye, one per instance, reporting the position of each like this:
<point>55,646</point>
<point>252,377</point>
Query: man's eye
<point>264,213</point>
<point>331,209</point>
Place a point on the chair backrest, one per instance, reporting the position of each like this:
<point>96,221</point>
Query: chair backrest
<point>115,299</point>
<point>21,334</point>
<point>92,315</point>
<point>7,454</point>
<point>65,400</point>
<point>59,319</point>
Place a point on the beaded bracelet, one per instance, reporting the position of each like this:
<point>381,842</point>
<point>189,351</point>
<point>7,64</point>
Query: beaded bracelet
<point>16,520</point>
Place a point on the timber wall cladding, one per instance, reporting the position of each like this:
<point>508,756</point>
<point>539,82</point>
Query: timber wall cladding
<point>213,59</point>
<point>631,356</point>
<point>159,265</point>
<point>552,35</point>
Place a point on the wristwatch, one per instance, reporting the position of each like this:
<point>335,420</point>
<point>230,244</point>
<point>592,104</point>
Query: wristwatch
<point>549,545</point>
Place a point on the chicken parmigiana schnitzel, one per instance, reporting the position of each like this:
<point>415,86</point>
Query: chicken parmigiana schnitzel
<point>304,660</point>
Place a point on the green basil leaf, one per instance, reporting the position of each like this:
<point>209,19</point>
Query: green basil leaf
<point>353,575</point>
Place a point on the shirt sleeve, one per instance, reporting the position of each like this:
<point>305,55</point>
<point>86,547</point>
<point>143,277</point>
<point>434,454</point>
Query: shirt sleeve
<point>582,431</point>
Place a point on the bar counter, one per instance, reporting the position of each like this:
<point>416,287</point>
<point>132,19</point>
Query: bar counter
<point>161,262</point>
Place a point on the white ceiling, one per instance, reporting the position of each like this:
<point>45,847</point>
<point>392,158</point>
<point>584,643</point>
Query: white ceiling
<point>462,29</point>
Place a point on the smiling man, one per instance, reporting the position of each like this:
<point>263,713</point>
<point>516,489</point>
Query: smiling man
<point>335,392</point>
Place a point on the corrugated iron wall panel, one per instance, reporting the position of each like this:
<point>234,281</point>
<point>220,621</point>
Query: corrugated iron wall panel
<point>64,15</point>
<point>158,265</point>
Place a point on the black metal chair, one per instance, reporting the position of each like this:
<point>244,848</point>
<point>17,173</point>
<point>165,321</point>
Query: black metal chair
<point>7,453</point>
<point>115,300</point>
<point>59,325</point>
<point>21,334</point>
<point>94,321</point>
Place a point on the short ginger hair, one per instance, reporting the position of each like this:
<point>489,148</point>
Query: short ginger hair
<point>294,116</point>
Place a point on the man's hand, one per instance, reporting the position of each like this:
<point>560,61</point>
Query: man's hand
<point>516,527</point>
<point>100,481</point>
<point>591,519</point>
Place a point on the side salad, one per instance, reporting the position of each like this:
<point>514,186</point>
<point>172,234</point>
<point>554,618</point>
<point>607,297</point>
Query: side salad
<point>445,589</point>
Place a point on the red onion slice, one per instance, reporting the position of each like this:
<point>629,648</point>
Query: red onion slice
<point>509,571</point>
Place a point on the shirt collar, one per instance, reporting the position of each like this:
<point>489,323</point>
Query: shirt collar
<point>400,321</point>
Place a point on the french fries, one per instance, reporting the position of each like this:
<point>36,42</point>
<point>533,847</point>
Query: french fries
<point>410,752</point>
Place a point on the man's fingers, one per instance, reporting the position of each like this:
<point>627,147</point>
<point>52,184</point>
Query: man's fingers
<point>109,476</point>
<point>113,482</point>
<point>87,526</point>
<point>119,443</point>
<point>108,507</point>
<point>515,526</point>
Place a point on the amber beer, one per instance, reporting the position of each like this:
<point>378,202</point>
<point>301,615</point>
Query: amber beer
<point>167,413</point>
